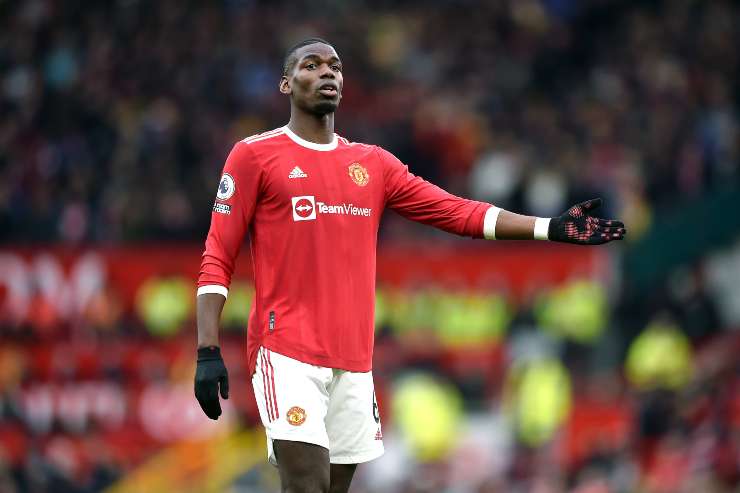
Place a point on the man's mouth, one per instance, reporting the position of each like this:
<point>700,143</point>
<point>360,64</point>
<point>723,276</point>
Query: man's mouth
<point>328,90</point>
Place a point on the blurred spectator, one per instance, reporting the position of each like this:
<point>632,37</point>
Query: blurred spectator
<point>660,357</point>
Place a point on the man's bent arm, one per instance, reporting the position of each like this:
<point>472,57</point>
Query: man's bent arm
<point>233,209</point>
<point>209,307</point>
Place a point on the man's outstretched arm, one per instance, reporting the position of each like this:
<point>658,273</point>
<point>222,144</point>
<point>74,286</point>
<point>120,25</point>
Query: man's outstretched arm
<point>419,200</point>
<point>577,225</point>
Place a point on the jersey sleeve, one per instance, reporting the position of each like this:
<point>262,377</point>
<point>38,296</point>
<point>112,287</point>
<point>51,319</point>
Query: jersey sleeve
<point>233,209</point>
<point>417,199</point>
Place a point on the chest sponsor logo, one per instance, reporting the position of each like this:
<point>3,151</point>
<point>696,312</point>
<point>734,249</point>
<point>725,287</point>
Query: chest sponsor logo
<point>343,209</point>
<point>306,207</point>
<point>297,173</point>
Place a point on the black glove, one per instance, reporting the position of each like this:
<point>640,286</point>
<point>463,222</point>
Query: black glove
<point>209,373</point>
<point>576,225</point>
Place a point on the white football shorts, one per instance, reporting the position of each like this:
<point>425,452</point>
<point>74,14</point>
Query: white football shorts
<point>335,409</point>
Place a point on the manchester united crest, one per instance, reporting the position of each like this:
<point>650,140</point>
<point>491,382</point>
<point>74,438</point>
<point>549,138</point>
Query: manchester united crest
<point>296,416</point>
<point>358,174</point>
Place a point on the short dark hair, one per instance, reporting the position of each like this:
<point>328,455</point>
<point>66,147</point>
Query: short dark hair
<point>290,59</point>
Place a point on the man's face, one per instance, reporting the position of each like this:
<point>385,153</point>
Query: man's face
<point>315,81</point>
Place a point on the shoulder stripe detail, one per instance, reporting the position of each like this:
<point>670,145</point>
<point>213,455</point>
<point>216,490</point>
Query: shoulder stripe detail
<point>263,134</point>
<point>344,140</point>
<point>265,137</point>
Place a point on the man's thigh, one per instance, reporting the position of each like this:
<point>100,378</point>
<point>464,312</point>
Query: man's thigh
<point>341,477</point>
<point>303,467</point>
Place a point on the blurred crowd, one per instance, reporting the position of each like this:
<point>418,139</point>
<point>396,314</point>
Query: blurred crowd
<point>537,396</point>
<point>118,115</point>
<point>116,120</point>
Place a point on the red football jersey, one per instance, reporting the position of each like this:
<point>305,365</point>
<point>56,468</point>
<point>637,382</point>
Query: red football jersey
<point>312,212</point>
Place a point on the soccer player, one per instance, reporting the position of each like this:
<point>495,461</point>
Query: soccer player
<point>311,202</point>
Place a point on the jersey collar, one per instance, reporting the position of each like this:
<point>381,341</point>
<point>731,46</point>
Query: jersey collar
<point>311,145</point>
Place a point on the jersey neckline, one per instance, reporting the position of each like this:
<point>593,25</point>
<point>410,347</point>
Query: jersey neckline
<point>311,145</point>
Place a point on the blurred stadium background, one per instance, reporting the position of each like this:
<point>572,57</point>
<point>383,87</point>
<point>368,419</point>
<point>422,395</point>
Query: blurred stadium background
<point>500,367</point>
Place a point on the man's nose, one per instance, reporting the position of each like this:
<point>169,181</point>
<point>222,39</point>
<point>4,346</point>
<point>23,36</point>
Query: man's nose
<point>326,71</point>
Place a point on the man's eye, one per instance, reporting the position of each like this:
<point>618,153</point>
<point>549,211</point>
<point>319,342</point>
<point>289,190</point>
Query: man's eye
<point>310,66</point>
<point>336,68</point>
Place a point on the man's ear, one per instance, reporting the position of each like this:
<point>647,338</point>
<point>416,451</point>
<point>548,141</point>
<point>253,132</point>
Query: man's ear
<point>285,85</point>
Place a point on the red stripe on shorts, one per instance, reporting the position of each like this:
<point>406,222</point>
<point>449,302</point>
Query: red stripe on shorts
<point>265,386</point>
<point>272,381</point>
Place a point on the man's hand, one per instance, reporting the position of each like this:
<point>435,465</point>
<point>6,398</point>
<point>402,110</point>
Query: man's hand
<point>578,226</point>
<point>210,373</point>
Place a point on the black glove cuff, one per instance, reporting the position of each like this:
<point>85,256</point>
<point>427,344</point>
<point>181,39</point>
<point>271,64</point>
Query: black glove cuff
<point>552,228</point>
<point>209,353</point>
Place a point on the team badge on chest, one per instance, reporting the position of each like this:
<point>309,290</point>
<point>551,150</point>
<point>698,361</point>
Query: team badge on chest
<point>358,174</point>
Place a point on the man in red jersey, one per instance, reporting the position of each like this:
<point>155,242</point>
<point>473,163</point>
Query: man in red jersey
<point>311,202</point>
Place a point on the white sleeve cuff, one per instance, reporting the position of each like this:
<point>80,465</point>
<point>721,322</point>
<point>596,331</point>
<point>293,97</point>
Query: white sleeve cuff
<point>489,223</point>
<point>541,226</point>
<point>213,288</point>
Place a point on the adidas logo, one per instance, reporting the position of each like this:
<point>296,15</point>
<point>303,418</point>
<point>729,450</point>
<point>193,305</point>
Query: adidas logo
<point>297,173</point>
